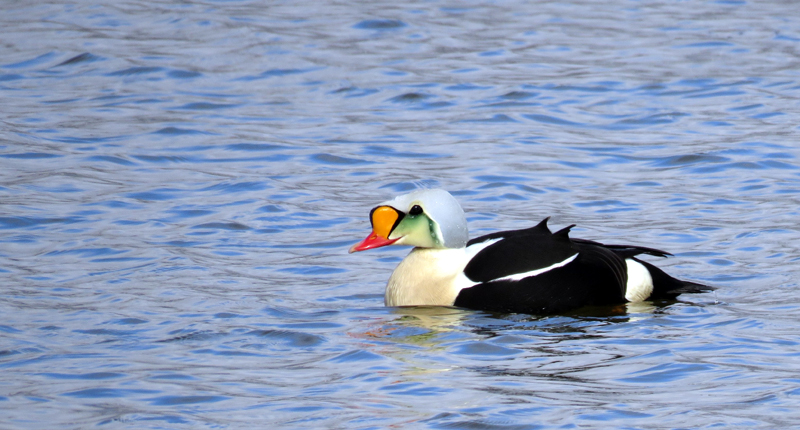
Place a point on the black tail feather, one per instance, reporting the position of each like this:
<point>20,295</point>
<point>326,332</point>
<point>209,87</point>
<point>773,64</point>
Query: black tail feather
<point>667,287</point>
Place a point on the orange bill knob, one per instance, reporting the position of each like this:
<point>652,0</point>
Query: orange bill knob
<point>384,219</point>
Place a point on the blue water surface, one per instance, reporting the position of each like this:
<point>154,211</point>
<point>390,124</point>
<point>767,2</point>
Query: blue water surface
<point>180,183</point>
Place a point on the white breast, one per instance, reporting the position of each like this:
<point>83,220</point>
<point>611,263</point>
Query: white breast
<point>431,277</point>
<point>426,277</point>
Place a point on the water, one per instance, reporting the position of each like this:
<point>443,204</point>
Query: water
<point>180,184</point>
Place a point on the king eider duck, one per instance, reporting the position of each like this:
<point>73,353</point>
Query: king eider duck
<point>530,271</point>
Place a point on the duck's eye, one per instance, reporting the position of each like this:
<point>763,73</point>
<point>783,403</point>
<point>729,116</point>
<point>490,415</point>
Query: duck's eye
<point>415,210</point>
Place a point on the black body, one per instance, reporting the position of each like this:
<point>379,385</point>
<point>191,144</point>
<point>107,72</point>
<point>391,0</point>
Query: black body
<point>596,277</point>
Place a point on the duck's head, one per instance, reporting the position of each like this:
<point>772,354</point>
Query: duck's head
<point>424,218</point>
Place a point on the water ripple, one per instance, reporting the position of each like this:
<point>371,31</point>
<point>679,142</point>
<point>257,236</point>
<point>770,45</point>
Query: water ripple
<point>180,184</point>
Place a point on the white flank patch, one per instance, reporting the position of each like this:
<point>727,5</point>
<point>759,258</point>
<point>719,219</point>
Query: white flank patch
<point>640,283</point>
<point>521,276</point>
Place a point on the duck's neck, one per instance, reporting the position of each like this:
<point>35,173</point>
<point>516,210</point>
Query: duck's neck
<point>428,276</point>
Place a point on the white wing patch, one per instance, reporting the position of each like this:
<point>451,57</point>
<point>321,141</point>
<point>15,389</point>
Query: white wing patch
<point>475,248</point>
<point>521,276</point>
<point>471,251</point>
<point>640,283</point>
